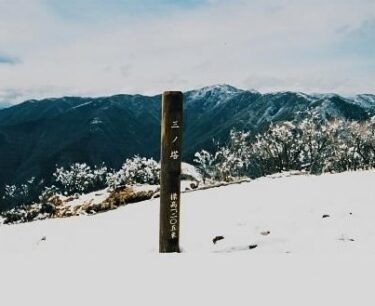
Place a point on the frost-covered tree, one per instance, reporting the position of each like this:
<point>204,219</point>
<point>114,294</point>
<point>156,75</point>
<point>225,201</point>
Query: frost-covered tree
<point>240,148</point>
<point>206,164</point>
<point>370,139</point>
<point>47,194</point>
<point>363,135</point>
<point>317,141</point>
<point>232,160</point>
<point>80,178</point>
<point>136,170</point>
<point>279,148</point>
<point>15,195</point>
<point>343,155</point>
<point>314,144</point>
<point>228,162</point>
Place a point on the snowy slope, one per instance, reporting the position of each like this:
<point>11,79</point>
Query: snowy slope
<point>290,208</point>
<point>111,258</point>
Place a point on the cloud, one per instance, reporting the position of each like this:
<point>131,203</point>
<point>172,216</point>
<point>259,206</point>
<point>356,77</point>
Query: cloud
<point>273,45</point>
<point>8,96</point>
<point>109,9</point>
<point>10,60</point>
<point>360,39</point>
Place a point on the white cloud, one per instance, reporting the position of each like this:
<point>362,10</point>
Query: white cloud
<point>281,45</point>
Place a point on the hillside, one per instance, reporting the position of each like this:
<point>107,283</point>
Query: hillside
<point>35,136</point>
<point>112,256</point>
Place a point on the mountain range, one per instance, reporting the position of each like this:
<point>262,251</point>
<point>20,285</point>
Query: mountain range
<point>37,135</point>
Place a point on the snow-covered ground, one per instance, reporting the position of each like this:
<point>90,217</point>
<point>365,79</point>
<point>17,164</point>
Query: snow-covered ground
<point>300,257</point>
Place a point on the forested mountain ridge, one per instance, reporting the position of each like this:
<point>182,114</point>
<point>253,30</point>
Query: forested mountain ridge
<point>35,136</point>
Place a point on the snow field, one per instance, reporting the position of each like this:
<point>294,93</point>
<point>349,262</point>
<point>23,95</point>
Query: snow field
<point>112,259</point>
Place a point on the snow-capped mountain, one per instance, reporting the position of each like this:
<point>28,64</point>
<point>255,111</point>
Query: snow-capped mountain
<point>213,95</point>
<point>365,100</point>
<point>35,136</point>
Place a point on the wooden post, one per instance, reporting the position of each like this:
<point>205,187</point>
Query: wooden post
<point>171,144</point>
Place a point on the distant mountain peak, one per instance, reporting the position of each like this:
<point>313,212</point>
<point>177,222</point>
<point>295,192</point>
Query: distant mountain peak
<point>223,87</point>
<point>218,88</point>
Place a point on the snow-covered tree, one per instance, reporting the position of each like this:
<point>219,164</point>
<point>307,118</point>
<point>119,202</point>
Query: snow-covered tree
<point>205,162</point>
<point>47,194</point>
<point>136,170</point>
<point>343,155</point>
<point>26,193</point>
<point>317,141</point>
<point>80,178</point>
<point>314,144</point>
<point>228,162</point>
<point>232,160</point>
<point>279,148</point>
<point>363,135</point>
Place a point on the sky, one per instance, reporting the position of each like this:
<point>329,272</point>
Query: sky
<point>53,48</point>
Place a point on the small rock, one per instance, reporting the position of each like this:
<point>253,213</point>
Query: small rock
<point>325,216</point>
<point>252,246</point>
<point>194,185</point>
<point>44,238</point>
<point>265,233</point>
<point>217,238</point>
<point>156,195</point>
<point>350,213</point>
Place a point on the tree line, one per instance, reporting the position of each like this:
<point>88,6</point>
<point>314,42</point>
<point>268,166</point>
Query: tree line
<point>314,145</point>
<point>80,178</point>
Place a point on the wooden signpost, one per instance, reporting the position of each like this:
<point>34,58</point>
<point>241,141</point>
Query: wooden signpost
<point>171,144</point>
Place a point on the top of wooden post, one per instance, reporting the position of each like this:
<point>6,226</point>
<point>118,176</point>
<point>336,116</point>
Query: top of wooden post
<point>172,93</point>
<point>172,102</point>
